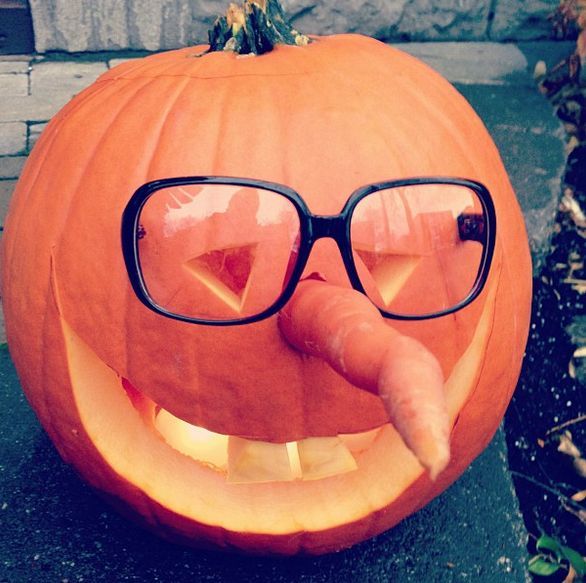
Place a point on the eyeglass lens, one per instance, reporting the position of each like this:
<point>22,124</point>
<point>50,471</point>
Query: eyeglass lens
<point>216,251</point>
<point>226,252</point>
<point>418,248</point>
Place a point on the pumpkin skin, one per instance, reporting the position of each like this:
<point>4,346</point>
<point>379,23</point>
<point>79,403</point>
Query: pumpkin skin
<point>323,119</point>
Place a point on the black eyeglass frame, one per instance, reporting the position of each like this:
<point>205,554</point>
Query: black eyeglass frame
<point>312,228</point>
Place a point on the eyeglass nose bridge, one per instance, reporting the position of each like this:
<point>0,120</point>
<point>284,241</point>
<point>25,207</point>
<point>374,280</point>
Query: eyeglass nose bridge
<point>334,227</point>
<point>328,226</point>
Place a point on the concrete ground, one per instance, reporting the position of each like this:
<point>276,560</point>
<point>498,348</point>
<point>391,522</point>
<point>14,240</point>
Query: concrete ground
<point>54,528</point>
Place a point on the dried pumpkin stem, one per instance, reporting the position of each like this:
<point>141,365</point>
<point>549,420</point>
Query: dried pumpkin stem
<point>254,27</point>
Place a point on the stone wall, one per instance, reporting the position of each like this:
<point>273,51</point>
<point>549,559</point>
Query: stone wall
<point>92,25</point>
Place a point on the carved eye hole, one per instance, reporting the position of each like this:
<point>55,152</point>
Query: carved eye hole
<point>226,273</point>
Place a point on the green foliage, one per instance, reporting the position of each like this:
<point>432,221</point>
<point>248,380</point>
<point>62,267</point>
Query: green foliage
<point>553,556</point>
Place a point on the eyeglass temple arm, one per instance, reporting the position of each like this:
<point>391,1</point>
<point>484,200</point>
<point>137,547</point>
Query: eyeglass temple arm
<point>472,227</point>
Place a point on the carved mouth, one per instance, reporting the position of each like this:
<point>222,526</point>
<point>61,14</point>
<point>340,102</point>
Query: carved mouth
<point>242,460</point>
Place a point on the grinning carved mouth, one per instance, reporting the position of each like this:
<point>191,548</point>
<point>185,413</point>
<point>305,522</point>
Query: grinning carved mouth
<point>242,460</point>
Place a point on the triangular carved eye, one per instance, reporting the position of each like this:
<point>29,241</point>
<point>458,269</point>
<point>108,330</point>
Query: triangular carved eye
<point>226,273</point>
<point>389,271</point>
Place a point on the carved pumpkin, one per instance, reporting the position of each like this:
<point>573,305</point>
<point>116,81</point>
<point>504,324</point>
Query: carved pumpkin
<point>230,436</point>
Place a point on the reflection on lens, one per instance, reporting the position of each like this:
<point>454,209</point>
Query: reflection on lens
<point>217,252</point>
<point>418,249</point>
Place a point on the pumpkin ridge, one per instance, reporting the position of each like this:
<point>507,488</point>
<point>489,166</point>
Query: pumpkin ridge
<point>166,109</point>
<point>22,223</point>
<point>518,331</point>
<point>435,109</point>
<point>88,162</point>
<point>435,112</point>
<point>170,104</point>
<point>223,122</point>
<point>37,162</point>
<point>481,368</point>
<point>91,160</point>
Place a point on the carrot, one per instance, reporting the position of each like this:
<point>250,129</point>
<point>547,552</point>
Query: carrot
<point>341,326</point>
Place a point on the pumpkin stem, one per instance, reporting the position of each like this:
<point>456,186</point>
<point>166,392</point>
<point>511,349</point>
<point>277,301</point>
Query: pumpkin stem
<point>254,27</point>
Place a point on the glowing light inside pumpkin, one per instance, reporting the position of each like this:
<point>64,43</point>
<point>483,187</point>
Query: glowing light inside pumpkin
<point>389,272</point>
<point>195,442</point>
<point>294,461</point>
<point>247,461</point>
<point>226,273</point>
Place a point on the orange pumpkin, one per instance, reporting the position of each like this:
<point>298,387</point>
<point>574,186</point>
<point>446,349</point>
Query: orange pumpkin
<point>131,398</point>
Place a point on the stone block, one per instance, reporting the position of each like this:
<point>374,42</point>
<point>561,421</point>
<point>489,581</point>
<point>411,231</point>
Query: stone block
<point>92,25</point>
<point>6,190</point>
<point>31,108</point>
<point>11,167</point>
<point>520,20</point>
<point>14,66</point>
<point>400,20</point>
<point>458,62</point>
<point>52,85</point>
<point>12,138</point>
<point>58,79</point>
<point>12,58</point>
<point>13,84</point>
<point>34,133</point>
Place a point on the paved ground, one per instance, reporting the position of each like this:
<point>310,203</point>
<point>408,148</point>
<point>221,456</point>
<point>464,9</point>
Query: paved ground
<point>55,529</point>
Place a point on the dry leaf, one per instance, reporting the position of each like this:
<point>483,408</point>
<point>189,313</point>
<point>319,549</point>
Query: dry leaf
<point>571,576</point>
<point>540,70</point>
<point>581,45</point>
<point>579,514</point>
<point>566,445</point>
<point>580,466</point>
<point>578,285</point>
<point>571,145</point>
<point>572,369</point>
<point>573,256</point>
<point>571,206</point>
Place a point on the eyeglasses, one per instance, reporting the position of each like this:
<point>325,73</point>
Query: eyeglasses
<point>224,251</point>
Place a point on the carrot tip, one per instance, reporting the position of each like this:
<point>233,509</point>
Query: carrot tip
<point>411,387</point>
<point>437,462</point>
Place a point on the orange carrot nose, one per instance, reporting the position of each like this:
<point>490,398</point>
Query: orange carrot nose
<point>344,328</point>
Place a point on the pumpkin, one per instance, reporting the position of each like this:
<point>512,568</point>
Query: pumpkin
<point>231,437</point>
